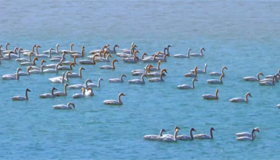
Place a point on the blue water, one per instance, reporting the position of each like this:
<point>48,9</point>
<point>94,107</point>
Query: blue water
<point>242,35</point>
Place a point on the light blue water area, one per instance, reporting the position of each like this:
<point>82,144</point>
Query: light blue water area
<point>241,35</point>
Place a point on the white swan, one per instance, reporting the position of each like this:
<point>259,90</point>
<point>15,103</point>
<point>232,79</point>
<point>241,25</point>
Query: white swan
<point>271,76</point>
<point>76,75</point>
<point>25,73</point>
<point>48,95</point>
<point>160,77</point>
<point>182,55</point>
<point>20,98</point>
<point>29,63</point>
<point>252,78</point>
<point>57,58</point>
<point>62,93</point>
<point>211,96</point>
<point>246,138</point>
<point>134,60</point>
<point>218,73</point>
<point>13,54</point>
<point>153,59</point>
<point>185,137</point>
<point>52,51</point>
<point>267,82</point>
<point>36,71</point>
<point>63,106</point>
<point>51,70</point>
<point>204,136</point>
<point>198,54</point>
<point>79,86</point>
<point>42,55</point>
<point>114,102</point>
<point>89,92</point>
<point>6,49</point>
<point>95,85</point>
<point>87,61</point>
<point>12,76</point>
<point>138,81</point>
<point>153,137</point>
<point>139,72</point>
<point>66,67</point>
<point>80,95</point>
<point>127,50</point>
<point>102,59</point>
<point>216,81</point>
<point>200,70</point>
<point>241,99</point>
<point>68,62</point>
<point>170,138</point>
<point>153,68</point>
<point>192,74</point>
<point>79,54</point>
<point>68,51</point>
<point>131,57</point>
<point>24,59</point>
<point>99,50</point>
<point>185,86</point>
<point>108,50</point>
<point>27,52</point>
<point>108,66</point>
<point>57,79</point>
<point>127,53</point>
<point>247,134</point>
<point>117,80</point>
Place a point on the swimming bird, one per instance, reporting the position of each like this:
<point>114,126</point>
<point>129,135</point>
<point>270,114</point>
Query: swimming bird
<point>95,85</point>
<point>63,106</point>
<point>192,74</point>
<point>182,55</point>
<point>198,54</point>
<point>48,95</point>
<point>12,76</point>
<point>246,138</point>
<point>185,137</point>
<point>216,81</point>
<point>200,70</point>
<point>218,73</point>
<point>138,81</point>
<point>89,92</point>
<point>117,80</point>
<point>108,66</point>
<point>160,77</point>
<point>76,75</point>
<point>20,98</point>
<point>241,99</point>
<point>79,86</point>
<point>185,86</point>
<point>114,102</point>
<point>252,78</point>
<point>170,138</point>
<point>80,95</point>
<point>62,93</point>
<point>154,137</point>
<point>210,96</point>
<point>247,134</point>
<point>204,136</point>
<point>65,67</point>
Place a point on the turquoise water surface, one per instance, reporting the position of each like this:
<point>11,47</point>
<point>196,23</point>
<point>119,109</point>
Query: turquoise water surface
<point>241,35</point>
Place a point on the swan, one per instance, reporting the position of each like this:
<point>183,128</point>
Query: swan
<point>108,66</point>
<point>25,59</point>
<point>139,72</point>
<point>51,70</point>
<point>153,59</point>
<point>52,51</point>
<point>27,52</point>
<point>6,58</point>
<point>163,59</point>
<point>65,67</point>
<point>185,86</point>
<point>12,76</point>
<point>95,85</point>
<point>268,83</point>
<point>170,138</point>
<point>68,62</point>
<point>57,58</point>
<point>68,51</point>
<point>218,73</point>
<point>79,95</point>
<point>184,137</point>
<point>101,59</point>
<point>155,69</point>
<point>198,54</point>
<point>271,76</point>
<point>87,61</point>
<point>251,78</point>
<point>76,75</point>
<point>250,138</point>
<point>25,73</point>
<point>108,50</point>
<point>142,57</point>
<point>98,50</point>
<point>60,79</point>
<point>114,102</point>
<point>216,81</point>
<point>131,57</point>
<point>13,54</point>
<point>241,99</point>
<point>29,63</point>
<point>62,93</point>
<point>200,70</point>
<point>211,96</point>
<point>160,77</point>
<point>154,137</point>
<point>42,55</point>
<point>247,134</point>
<point>20,98</point>
<point>48,95</point>
<point>117,80</point>
<point>36,67</point>
<point>63,106</point>
<point>192,74</point>
<point>127,54</point>
<point>79,86</point>
<point>6,49</point>
<point>36,71</point>
<point>53,65</point>
<point>160,54</point>
<point>204,136</point>
<point>138,81</point>
<point>182,55</point>
<point>89,92</point>
<point>79,54</point>
<point>134,60</point>
<point>127,50</point>
<point>153,74</point>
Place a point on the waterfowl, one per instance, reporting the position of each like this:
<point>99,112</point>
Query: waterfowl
<point>108,66</point>
<point>63,106</point>
<point>62,93</point>
<point>89,92</point>
<point>114,102</point>
<point>246,138</point>
<point>139,72</point>
<point>218,73</point>
<point>48,95</point>
<point>20,98</point>
<point>24,59</point>
<point>27,52</point>
<point>138,81</point>
<point>29,63</point>
<point>185,86</point>
<point>52,51</point>
<point>95,85</point>
<point>192,74</point>
<point>170,138</point>
<point>79,54</point>
<point>200,70</point>
<point>211,96</point>
<point>108,50</point>
<point>247,134</point>
<point>68,51</point>
<point>241,99</point>
<point>99,50</point>
<point>204,136</point>
<point>117,80</point>
<point>12,76</point>
<point>76,75</point>
<point>79,86</point>
<point>185,137</point>
<point>198,54</point>
<point>267,82</point>
<point>160,77</point>
<point>68,62</point>
<point>154,137</point>
<point>65,67</point>
<point>80,95</point>
<point>25,73</point>
<point>86,61</point>
<point>252,78</point>
<point>216,81</point>
<point>183,55</point>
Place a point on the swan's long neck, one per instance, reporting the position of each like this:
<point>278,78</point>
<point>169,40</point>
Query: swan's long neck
<point>160,76</point>
<point>56,48</point>
<point>221,77</point>
<point>42,68</point>
<point>113,65</point>
<point>34,62</point>
<point>201,52</point>
<point>28,70</point>
<point>114,49</point>
<point>258,76</point>
<point>80,72</point>
<point>107,58</point>
<point>86,83</point>
<point>246,97</point>
<point>175,135</point>
<point>82,54</point>
<point>223,71</point>
<point>119,99</point>
<point>191,135</point>
<point>71,47</point>
<point>167,51</point>
<point>62,81</point>
<point>252,134</point>
<point>193,83</point>
<point>143,56</point>
<point>205,68</point>
<point>160,133</point>
<point>50,54</point>
<point>158,66</point>
<point>17,75</point>
<point>33,48</point>
<point>37,50</point>
<point>65,89</point>
<point>122,78</point>
<point>189,53</point>
<point>74,60</point>
<point>6,46</point>
<point>216,94</point>
<point>142,78</point>
<point>26,96</point>
<point>70,66</point>
<point>29,57</point>
<point>83,91</point>
<point>98,83</point>
<point>52,91</point>
<point>211,134</point>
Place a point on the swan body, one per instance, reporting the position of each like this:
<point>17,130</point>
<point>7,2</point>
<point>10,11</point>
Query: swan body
<point>268,83</point>
<point>20,98</point>
<point>216,81</point>
<point>108,50</point>
<point>76,75</point>
<point>117,80</point>
<point>247,134</point>
<point>200,70</point>
<point>211,96</point>
<point>51,70</point>
<point>63,106</point>
<point>60,79</point>
<point>185,137</point>
<point>154,137</point>
<point>129,60</point>
<point>29,63</point>
<point>198,54</point>
<point>24,59</point>
<point>114,102</point>
<point>218,73</point>
<point>87,61</point>
<point>80,95</point>
<point>68,51</point>
<point>108,66</point>
<point>89,92</point>
<point>252,78</point>
<point>62,93</point>
<point>192,74</point>
<point>241,99</point>
<point>79,54</point>
<point>95,85</point>
<point>52,51</point>
<point>99,50</point>
<point>140,72</point>
<point>204,136</point>
<point>68,62</point>
<point>183,55</point>
<point>66,67</point>
<point>101,59</point>
<point>248,138</point>
<point>185,86</point>
<point>25,73</point>
<point>160,77</point>
<point>79,86</point>
<point>170,138</point>
<point>12,76</point>
<point>48,95</point>
<point>138,81</point>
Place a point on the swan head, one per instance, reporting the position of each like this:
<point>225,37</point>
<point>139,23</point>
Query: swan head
<point>20,50</point>
<point>38,46</point>
<point>169,46</point>
<point>202,48</point>
<point>192,129</point>
<point>212,129</point>
<point>249,94</point>
<point>72,104</point>
<point>64,52</point>
<point>256,129</point>
<point>224,67</point>
<point>35,59</point>
<point>159,61</point>
<point>68,72</point>
<point>260,73</point>
<point>195,79</point>
<point>54,88</point>
<point>72,64</point>
<point>57,45</point>
<point>121,94</point>
<point>163,70</point>
<point>88,80</point>
<point>116,45</point>
<point>18,69</point>
<point>83,47</point>
<point>27,90</point>
<point>163,130</point>
<point>72,44</point>
<point>144,54</point>
<point>115,60</point>
<point>136,51</point>
<point>7,44</point>
<point>149,66</point>
<point>189,50</point>
<point>82,68</point>
<point>123,75</point>
<point>83,89</point>
<point>42,62</point>
<point>100,79</point>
